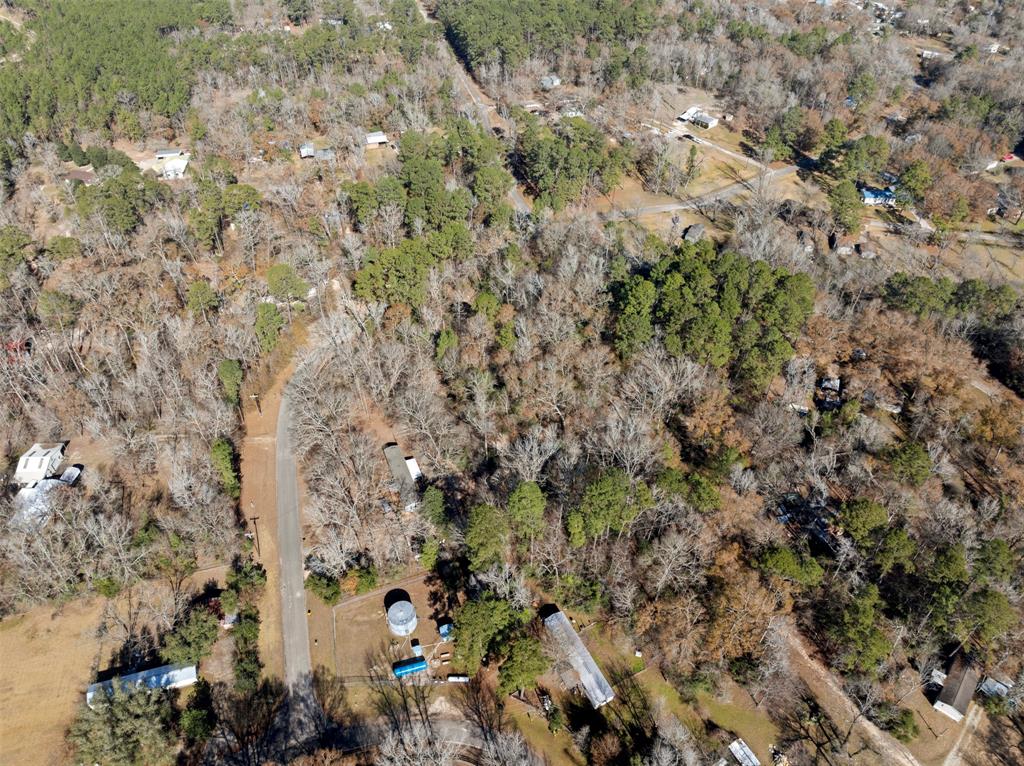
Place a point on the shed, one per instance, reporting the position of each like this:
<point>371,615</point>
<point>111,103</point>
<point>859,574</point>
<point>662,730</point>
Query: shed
<point>550,82</point>
<point>163,154</point>
<point>376,138</point>
<point>694,233</point>
<point>317,149</point>
<point>742,753</point>
<point>572,650</point>
<point>38,463</point>
<point>163,677</point>
<point>81,175</point>
<point>958,690</point>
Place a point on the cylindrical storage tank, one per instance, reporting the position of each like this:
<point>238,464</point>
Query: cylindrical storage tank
<point>402,618</point>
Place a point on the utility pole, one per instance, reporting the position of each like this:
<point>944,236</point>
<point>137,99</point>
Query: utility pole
<point>256,398</point>
<point>255,528</point>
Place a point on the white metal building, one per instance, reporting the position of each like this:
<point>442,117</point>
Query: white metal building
<point>572,650</point>
<point>38,463</point>
<point>164,677</point>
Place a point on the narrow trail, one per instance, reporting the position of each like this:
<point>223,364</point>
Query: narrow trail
<point>481,101</point>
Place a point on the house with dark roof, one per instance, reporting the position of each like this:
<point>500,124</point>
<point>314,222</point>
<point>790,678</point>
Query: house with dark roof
<point>406,474</point>
<point>958,689</point>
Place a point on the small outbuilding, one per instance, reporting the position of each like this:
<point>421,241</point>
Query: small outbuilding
<point>550,82</point>
<point>694,233</point>
<point>83,176</point>
<point>38,463</point>
<point>376,138</point>
<point>317,150</point>
<point>958,689</point>
<point>571,650</point>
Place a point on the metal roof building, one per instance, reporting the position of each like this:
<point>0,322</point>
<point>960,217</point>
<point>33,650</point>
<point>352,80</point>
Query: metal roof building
<point>742,753</point>
<point>958,689</point>
<point>571,647</point>
<point>38,463</point>
<point>164,677</point>
<point>406,473</point>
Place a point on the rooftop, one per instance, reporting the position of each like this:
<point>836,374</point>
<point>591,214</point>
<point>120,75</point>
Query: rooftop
<point>958,690</point>
<point>163,677</point>
<point>594,684</point>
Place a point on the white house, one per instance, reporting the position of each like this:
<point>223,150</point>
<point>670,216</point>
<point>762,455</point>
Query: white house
<point>164,677</point>
<point>171,166</point>
<point>704,120</point>
<point>38,463</point>
<point>550,82</point>
<point>376,138</point>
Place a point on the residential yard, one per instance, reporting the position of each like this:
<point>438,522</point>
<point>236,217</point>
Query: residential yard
<point>350,638</point>
<point>48,659</point>
<point>558,749</point>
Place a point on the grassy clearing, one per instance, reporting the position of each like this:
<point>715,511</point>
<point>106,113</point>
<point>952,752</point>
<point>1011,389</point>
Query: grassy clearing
<point>745,721</point>
<point>558,749</point>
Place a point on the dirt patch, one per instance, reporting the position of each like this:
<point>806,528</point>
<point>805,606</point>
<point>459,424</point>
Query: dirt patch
<point>48,660</point>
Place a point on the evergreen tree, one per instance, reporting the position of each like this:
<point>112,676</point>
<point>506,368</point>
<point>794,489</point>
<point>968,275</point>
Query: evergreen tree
<point>486,537</point>
<point>129,728</point>
<point>525,661</point>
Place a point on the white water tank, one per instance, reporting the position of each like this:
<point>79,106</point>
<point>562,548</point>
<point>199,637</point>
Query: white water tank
<point>402,618</point>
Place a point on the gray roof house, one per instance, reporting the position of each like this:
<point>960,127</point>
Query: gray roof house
<point>571,648</point>
<point>406,474</point>
<point>317,150</point>
<point>958,689</point>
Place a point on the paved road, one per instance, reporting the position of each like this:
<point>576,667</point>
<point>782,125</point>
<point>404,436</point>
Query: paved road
<point>303,709</point>
<point>694,203</point>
